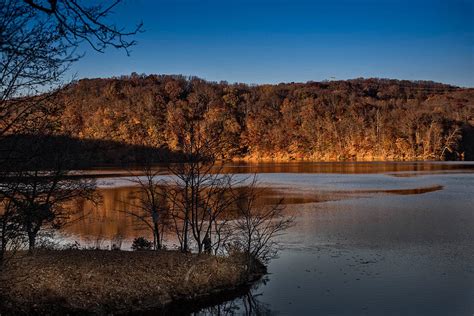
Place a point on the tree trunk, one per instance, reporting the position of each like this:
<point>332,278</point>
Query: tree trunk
<point>156,236</point>
<point>31,240</point>
<point>3,240</point>
<point>185,235</point>
<point>2,251</point>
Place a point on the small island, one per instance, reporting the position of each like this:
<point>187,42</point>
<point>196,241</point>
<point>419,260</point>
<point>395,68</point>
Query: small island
<point>120,282</point>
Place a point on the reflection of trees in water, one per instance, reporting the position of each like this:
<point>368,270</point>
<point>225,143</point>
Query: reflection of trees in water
<point>247,304</point>
<point>103,221</point>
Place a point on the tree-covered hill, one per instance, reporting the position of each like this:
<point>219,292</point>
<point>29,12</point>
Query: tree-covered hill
<point>361,119</point>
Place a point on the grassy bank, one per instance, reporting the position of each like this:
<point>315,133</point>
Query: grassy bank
<point>98,281</point>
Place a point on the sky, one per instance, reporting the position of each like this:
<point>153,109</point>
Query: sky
<point>293,41</point>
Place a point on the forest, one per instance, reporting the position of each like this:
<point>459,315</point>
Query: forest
<point>360,119</point>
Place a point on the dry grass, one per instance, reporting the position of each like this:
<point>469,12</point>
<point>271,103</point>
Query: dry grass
<point>101,281</point>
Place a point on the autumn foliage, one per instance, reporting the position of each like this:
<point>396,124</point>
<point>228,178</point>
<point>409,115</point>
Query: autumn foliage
<point>361,119</point>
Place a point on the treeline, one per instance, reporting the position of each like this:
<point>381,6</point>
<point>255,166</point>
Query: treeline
<point>361,119</point>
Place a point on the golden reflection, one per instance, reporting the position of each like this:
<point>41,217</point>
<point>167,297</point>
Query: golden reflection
<point>397,168</point>
<point>107,220</point>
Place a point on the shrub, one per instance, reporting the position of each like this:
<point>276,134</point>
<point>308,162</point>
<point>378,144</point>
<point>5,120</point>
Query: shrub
<point>141,243</point>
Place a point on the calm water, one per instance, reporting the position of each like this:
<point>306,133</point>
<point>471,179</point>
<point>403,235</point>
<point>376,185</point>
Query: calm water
<point>369,239</point>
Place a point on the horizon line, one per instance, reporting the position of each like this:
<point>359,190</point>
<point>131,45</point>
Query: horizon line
<point>188,77</point>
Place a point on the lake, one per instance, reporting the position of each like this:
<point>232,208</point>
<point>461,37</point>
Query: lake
<point>368,239</point>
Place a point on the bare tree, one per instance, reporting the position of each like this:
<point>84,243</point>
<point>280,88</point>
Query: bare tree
<point>38,43</point>
<point>152,208</point>
<point>76,21</point>
<point>203,197</point>
<point>199,191</point>
<point>450,142</point>
<point>200,202</point>
<point>10,229</point>
<point>257,227</point>
<point>36,193</point>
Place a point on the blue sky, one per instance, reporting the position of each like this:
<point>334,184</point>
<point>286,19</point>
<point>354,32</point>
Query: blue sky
<point>291,40</point>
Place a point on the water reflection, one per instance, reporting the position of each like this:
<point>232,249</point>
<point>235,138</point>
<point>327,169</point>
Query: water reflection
<point>107,222</point>
<point>401,169</point>
<point>247,304</point>
<point>104,222</point>
<point>363,244</point>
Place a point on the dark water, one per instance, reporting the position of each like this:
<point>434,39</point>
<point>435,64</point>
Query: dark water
<point>369,239</point>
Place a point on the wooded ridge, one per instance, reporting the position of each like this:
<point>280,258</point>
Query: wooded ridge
<point>360,119</point>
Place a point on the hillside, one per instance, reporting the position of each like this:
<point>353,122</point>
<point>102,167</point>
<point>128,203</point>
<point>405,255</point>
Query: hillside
<point>361,119</point>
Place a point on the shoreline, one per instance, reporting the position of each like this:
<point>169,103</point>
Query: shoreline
<point>122,282</point>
